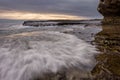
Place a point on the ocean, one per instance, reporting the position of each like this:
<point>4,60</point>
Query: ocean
<point>29,52</point>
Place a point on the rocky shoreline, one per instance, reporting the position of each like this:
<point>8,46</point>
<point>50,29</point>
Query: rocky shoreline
<point>105,37</point>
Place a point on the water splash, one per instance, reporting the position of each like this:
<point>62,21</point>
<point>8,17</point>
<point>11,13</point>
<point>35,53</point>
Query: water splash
<point>25,55</point>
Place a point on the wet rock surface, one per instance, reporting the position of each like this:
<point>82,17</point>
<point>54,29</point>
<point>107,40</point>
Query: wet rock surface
<point>70,74</point>
<point>108,42</point>
<point>110,9</point>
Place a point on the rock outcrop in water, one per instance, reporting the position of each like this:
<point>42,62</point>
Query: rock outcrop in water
<point>59,22</point>
<point>51,23</point>
<point>110,9</point>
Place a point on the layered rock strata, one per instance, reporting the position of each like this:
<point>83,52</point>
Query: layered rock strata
<point>110,9</point>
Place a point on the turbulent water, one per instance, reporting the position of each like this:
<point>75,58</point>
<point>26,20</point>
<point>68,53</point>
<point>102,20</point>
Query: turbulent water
<point>30,54</point>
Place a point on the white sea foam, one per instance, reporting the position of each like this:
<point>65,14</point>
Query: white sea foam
<point>18,27</point>
<point>25,55</point>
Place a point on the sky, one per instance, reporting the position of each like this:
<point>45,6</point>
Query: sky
<point>49,9</point>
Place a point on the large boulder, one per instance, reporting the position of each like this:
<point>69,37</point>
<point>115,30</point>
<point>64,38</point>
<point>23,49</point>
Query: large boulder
<point>110,9</point>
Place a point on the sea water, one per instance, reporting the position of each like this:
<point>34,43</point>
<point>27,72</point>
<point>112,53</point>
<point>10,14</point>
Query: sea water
<point>29,54</point>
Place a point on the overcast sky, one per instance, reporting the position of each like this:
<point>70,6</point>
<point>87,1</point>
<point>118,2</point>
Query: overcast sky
<point>87,8</point>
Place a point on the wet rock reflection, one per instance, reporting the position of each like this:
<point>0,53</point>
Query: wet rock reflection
<point>108,42</point>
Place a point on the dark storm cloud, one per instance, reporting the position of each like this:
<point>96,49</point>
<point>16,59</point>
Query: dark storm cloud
<point>72,7</point>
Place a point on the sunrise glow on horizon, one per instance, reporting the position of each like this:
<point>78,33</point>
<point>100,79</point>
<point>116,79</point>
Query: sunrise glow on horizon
<point>16,15</point>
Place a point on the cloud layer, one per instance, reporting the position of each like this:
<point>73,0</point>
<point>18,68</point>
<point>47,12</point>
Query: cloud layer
<point>68,7</point>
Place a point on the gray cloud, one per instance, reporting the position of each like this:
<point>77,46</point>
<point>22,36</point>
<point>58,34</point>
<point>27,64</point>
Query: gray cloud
<point>72,7</point>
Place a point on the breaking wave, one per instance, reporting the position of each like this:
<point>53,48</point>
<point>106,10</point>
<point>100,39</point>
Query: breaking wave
<point>26,55</point>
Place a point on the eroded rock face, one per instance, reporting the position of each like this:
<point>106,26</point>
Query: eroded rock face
<point>110,9</point>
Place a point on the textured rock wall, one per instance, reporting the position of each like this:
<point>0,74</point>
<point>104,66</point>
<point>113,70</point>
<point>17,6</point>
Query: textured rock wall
<point>110,9</point>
